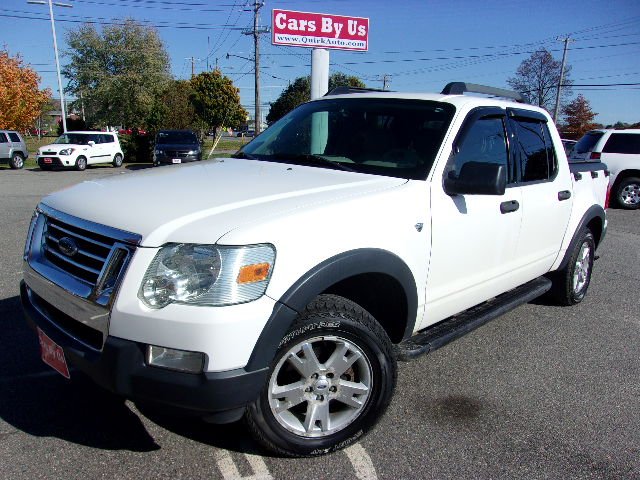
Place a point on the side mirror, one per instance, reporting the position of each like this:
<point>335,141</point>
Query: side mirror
<point>477,178</point>
<point>91,143</point>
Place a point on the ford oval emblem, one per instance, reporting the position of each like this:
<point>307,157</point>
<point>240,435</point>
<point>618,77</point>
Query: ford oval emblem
<point>68,246</point>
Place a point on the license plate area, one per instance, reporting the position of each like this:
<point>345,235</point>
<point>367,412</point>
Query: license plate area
<point>47,160</point>
<point>52,354</point>
<point>176,160</point>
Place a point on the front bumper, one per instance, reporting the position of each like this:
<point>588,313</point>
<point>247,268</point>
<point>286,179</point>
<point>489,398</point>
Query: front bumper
<point>169,160</point>
<point>121,368</point>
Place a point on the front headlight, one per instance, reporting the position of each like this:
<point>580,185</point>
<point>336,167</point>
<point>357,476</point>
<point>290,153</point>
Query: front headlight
<point>158,152</point>
<point>207,275</point>
<point>193,152</point>
<point>66,151</point>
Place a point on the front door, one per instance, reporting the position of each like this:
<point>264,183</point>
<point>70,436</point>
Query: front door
<point>474,237</point>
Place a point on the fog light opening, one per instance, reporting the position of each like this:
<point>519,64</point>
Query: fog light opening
<point>172,359</point>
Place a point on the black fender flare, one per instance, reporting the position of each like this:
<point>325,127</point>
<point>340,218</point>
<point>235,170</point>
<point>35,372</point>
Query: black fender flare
<point>319,279</point>
<point>595,211</point>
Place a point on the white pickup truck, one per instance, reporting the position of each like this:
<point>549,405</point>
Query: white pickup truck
<point>282,285</point>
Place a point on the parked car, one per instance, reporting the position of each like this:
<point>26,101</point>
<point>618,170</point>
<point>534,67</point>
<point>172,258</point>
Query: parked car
<point>13,149</point>
<point>80,149</point>
<point>176,146</point>
<point>246,133</point>
<point>620,151</point>
<point>281,285</point>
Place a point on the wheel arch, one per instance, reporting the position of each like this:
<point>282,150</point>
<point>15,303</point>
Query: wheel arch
<point>595,220</point>
<point>377,280</point>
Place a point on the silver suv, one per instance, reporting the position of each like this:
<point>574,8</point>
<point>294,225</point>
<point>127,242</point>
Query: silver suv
<point>13,148</point>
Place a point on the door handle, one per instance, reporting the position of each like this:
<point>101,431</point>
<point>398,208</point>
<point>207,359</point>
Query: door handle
<point>509,206</point>
<point>564,195</point>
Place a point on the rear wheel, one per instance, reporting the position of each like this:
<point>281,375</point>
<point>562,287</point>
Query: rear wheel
<point>627,193</point>
<point>16,161</point>
<point>81,163</point>
<point>571,283</point>
<point>331,380</point>
<point>117,160</point>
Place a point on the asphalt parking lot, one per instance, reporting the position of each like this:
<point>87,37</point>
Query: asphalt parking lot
<point>542,392</point>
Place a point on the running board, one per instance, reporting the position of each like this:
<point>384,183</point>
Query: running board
<point>452,328</point>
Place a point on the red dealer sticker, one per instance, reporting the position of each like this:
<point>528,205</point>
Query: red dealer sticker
<point>319,30</point>
<point>52,354</point>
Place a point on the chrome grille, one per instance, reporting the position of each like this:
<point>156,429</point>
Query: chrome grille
<point>92,250</point>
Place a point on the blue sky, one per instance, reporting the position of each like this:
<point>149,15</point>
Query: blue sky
<point>422,45</point>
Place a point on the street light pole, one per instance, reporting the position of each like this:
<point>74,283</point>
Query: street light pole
<point>55,49</point>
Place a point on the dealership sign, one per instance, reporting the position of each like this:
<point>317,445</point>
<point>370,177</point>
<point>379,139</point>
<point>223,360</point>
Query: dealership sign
<point>319,30</point>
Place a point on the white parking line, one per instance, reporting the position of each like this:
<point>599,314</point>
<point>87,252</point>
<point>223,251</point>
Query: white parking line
<point>361,462</point>
<point>229,470</point>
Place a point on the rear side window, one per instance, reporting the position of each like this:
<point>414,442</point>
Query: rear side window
<point>534,150</point>
<point>621,143</point>
<point>586,143</point>
<point>15,137</point>
<point>3,138</point>
<point>107,138</point>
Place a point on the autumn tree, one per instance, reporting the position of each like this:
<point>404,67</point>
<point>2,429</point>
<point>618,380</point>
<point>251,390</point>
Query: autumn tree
<point>578,118</point>
<point>299,92</point>
<point>116,73</point>
<point>216,101</point>
<point>537,80</point>
<point>21,101</point>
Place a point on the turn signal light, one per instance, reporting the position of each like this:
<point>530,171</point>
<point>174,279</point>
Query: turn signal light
<point>253,273</point>
<point>595,155</point>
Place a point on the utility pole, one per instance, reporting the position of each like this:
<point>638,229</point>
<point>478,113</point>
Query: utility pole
<point>256,32</point>
<point>566,41</point>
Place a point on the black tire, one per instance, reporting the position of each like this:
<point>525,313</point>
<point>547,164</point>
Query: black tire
<point>328,323</point>
<point>81,163</point>
<point>571,283</point>
<point>117,160</point>
<point>627,193</point>
<point>16,161</point>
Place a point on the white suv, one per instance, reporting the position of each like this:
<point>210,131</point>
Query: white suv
<point>620,150</point>
<point>79,149</point>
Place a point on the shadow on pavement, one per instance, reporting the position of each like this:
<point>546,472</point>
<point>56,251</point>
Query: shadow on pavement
<point>38,401</point>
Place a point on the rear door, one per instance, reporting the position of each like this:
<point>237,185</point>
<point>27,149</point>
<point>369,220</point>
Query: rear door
<point>546,192</point>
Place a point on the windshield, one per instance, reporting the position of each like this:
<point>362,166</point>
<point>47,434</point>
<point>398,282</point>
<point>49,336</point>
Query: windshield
<point>166,138</point>
<point>78,138</point>
<point>391,137</point>
<point>586,143</point>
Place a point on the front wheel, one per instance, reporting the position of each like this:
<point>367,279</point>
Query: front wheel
<point>81,163</point>
<point>627,193</point>
<point>570,284</point>
<point>331,380</point>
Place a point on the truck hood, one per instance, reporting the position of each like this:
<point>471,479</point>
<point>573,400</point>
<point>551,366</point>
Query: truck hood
<point>160,204</point>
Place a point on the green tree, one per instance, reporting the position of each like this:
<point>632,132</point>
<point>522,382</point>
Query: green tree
<point>116,74</point>
<point>537,80</point>
<point>578,118</point>
<point>216,101</point>
<point>173,108</point>
<point>299,92</point>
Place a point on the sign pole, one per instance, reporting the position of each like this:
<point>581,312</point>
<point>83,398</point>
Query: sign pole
<point>319,72</point>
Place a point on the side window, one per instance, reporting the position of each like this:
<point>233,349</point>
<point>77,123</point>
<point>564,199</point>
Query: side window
<point>3,138</point>
<point>107,138</point>
<point>484,142</point>
<point>534,150</point>
<point>96,138</point>
<point>622,143</point>
<point>14,137</point>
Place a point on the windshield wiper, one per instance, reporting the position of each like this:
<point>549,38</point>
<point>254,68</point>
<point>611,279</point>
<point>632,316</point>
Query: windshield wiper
<point>314,159</point>
<point>241,154</point>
